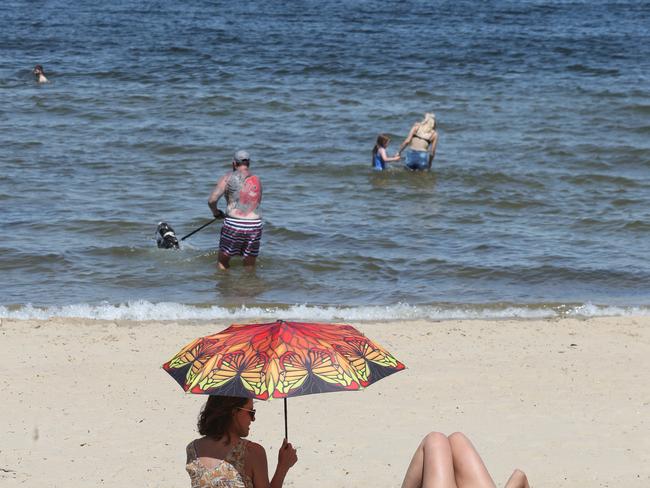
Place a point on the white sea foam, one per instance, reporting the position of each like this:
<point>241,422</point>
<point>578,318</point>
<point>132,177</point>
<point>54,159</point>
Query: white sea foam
<point>143,310</point>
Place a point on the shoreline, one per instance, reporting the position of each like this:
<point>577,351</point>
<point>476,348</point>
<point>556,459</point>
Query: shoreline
<point>169,312</point>
<point>565,399</point>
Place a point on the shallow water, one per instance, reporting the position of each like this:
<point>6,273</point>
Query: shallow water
<point>539,198</point>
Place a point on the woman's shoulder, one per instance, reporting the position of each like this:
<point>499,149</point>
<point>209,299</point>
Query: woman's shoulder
<point>195,444</point>
<point>190,450</point>
<point>253,446</point>
<point>254,450</point>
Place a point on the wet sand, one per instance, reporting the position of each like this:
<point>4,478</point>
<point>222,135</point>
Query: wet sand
<point>85,403</point>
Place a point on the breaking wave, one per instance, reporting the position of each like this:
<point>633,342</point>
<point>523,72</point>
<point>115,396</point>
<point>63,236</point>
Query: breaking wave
<point>167,311</point>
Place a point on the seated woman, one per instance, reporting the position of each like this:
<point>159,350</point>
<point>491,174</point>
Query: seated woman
<point>379,156</point>
<point>452,462</point>
<point>421,141</point>
<point>222,458</point>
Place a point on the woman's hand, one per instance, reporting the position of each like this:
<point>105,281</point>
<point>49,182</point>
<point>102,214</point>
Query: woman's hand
<point>287,455</point>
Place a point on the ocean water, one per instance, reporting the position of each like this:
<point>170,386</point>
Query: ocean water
<point>538,203</point>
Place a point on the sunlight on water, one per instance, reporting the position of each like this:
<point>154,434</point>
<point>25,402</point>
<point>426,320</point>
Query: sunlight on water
<point>539,195</point>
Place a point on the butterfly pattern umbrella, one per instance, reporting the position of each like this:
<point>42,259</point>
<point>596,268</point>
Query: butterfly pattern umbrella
<point>281,359</point>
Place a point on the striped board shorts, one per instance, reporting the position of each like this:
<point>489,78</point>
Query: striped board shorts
<point>240,237</point>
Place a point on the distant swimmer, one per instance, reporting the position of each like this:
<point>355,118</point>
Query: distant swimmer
<point>421,142</point>
<point>39,74</point>
<point>379,156</point>
<point>241,233</point>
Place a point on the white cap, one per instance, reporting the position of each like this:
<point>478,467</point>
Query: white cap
<point>241,156</point>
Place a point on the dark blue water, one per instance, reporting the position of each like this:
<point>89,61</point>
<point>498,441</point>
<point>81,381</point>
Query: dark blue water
<point>537,203</point>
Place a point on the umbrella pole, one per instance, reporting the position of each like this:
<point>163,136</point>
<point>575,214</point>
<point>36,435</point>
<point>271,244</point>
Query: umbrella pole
<point>286,428</point>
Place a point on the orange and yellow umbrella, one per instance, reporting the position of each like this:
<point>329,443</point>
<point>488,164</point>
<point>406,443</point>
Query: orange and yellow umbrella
<point>281,359</point>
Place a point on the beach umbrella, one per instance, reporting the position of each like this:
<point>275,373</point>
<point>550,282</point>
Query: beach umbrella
<point>280,360</point>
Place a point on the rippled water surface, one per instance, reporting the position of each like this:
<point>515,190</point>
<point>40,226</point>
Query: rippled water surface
<point>540,193</point>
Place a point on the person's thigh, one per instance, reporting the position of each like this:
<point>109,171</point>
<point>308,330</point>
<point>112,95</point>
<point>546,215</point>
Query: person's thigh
<point>469,469</point>
<point>431,465</point>
<point>253,242</point>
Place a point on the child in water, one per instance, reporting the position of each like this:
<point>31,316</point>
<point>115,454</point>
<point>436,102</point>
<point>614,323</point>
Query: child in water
<point>379,156</point>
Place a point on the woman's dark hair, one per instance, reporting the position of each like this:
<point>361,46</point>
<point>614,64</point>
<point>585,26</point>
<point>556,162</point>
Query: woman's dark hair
<point>216,415</point>
<point>382,141</point>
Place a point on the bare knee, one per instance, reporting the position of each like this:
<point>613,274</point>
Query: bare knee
<point>458,437</point>
<point>460,443</point>
<point>517,479</point>
<point>434,440</point>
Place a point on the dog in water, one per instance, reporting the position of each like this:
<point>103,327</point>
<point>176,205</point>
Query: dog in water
<point>166,237</point>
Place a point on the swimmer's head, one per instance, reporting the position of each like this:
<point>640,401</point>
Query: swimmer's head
<point>429,121</point>
<point>39,74</point>
<point>241,158</point>
<point>382,140</point>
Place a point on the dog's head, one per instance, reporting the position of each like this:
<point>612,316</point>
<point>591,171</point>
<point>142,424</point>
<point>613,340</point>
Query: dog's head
<point>166,237</point>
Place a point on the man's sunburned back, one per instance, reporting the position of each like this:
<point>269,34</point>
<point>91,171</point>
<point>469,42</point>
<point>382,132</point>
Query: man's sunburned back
<point>243,195</point>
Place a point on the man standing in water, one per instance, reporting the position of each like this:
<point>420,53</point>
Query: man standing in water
<point>242,227</point>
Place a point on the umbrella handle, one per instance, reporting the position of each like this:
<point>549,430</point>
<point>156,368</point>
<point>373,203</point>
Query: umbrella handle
<point>286,428</point>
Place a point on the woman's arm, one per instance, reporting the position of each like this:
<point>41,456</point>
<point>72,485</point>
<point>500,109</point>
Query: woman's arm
<point>259,466</point>
<point>385,158</point>
<point>407,141</point>
<point>432,148</point>
<point>287,457</point>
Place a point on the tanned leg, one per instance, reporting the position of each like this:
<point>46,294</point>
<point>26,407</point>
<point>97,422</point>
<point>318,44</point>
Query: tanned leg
<point>469,469</point>
<point>249,261</point>
<point>223,261</point>
<point>431,465</point>
<point>517,480</point>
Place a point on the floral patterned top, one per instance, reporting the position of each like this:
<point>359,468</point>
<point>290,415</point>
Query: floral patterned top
<point>228,473</point>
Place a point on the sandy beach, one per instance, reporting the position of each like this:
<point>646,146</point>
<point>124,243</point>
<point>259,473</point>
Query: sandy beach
<point>86,403</point>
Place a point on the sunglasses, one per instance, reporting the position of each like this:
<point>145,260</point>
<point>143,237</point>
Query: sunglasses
<point>250,412</point>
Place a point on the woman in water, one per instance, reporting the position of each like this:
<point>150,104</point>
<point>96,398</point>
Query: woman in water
<point>421,142</point>
<point>379,156</point>
<point>222,458</point>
